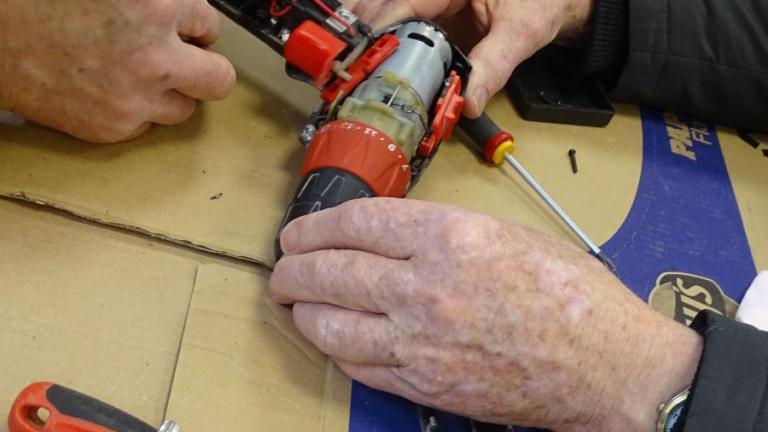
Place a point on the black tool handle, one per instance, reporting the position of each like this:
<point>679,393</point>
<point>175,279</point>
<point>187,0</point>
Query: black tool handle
<point>68,410</point>
<point>479,130</point>
<point>320,190</point>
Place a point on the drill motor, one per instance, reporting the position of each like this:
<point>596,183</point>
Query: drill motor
<point>389,97</point>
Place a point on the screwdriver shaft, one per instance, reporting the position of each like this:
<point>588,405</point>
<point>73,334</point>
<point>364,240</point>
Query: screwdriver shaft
<point>593,247</point>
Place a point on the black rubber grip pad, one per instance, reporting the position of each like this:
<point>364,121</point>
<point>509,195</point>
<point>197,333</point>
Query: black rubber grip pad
<point>77,405</point>
<point>322,189</point>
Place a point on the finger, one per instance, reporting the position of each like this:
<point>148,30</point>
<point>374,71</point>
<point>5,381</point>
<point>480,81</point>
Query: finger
<point>393,11</point>
<point>202,74</point>
<point>349,279</point>
<point>351,5</point>
<point>359,337</point>
<point>173,108</point>
<point>389,227</point>
<point>381,377</point>
<point>495,58</point>
<point>200,24</point>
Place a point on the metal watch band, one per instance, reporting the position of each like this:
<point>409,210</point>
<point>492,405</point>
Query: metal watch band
<point>670,412</point>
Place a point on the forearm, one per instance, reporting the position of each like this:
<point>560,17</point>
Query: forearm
<point>658,363</point>
<point>724,363</point>
<point>667,368</point>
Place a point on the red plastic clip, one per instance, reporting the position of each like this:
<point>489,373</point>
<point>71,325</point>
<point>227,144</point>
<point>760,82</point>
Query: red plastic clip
<point>313,49</point>
<point>447,114</point>
<point>362,68</point>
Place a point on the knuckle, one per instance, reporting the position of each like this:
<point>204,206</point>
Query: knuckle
<point>162,10</point>
<point>118,134</point>
<point>150,66</point>
<point>457,230</point>
<point>120,128</point>
<point>469,236</point>
<point>203,19</point>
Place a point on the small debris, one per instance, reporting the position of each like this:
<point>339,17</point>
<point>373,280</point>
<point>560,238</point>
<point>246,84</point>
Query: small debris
<point>217,196</point>
<point>205,172</point>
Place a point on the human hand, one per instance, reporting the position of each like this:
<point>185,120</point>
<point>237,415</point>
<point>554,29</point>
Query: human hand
<point>480,317</point>
<point>514,30</point>
<point>105,70</point>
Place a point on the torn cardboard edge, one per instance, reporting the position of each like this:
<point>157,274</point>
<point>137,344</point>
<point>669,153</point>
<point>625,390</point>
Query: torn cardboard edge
<point>112,222</point>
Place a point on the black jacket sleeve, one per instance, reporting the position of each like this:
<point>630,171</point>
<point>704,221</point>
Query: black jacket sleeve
<point>730,389</point>
<point>704,58</point>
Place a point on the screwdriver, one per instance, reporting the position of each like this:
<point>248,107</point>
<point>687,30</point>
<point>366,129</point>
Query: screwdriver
<point>496,147</point>
<point>47,407</point>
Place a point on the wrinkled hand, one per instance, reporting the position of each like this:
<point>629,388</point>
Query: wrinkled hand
<point>479,316</point>
<point>514,29</point>
<point>105,70</point>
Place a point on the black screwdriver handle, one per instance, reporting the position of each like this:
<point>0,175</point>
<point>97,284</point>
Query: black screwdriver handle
<point>487,138</point>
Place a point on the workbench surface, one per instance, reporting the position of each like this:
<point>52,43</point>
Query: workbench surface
<point>119,272</point>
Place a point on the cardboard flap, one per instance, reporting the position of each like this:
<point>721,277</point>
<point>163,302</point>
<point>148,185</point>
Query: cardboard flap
<point>221,182</point>
<point>244,367</point>
<point>89,308</point>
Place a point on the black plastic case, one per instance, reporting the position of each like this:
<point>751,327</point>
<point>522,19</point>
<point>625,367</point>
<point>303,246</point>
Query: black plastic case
<point>549,87</point>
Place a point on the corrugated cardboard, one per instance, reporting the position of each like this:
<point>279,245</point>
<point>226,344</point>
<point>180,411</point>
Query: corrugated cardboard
<point>103,311</point>
<point>748,169</point>
<point>245,149</point>
<point>243,366</point>
<point>90,308</point>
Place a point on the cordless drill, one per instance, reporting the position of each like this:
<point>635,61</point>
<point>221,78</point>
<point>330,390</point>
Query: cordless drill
<point>390,97</point>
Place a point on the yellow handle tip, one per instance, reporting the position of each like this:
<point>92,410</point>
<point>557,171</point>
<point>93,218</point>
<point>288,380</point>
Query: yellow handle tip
<point>503,149</point>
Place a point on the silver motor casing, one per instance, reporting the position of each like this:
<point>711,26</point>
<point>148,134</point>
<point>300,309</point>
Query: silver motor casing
<point>397,97</point>
<point>423,59</point>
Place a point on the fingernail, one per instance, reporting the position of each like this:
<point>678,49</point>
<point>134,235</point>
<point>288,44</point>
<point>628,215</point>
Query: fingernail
<point>479,99</point>
<point>288,238</point>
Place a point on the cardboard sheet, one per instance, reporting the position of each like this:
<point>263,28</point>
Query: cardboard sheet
<point>748,169</point>
<point>103,311</point>
<point>244,367</point>
<point>245,148</point>
<point>90,308</point>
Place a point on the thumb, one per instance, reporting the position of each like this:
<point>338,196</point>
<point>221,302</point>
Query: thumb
<point>391,12</point>
<point>493,60</point>
<point>395,10</point>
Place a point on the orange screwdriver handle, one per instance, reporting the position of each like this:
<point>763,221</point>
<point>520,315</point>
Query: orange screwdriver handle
<point>68,411</point>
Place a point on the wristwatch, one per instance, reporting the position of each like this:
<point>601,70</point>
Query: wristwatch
<point>671,412</point>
